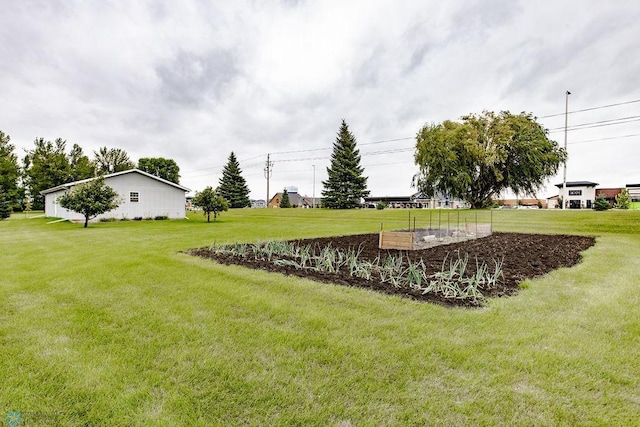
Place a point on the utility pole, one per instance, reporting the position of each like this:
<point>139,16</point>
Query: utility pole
<point>566,121</point>
<point>268,171</point>
<point>313,200</point>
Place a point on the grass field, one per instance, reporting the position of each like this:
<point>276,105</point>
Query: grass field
<point>113,325</point>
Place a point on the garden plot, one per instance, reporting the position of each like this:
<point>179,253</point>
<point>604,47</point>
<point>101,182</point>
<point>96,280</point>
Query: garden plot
<point>462,273</point>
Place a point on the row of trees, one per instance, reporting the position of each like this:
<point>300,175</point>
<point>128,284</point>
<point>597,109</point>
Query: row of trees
<point>232,191</point>
<point>474,159</point>
<point>49,164</point>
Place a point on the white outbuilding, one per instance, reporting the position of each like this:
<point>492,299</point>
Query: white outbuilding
<point>141,195</point>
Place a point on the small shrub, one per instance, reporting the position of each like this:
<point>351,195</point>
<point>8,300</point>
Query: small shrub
<point>601,204</point>
<point>623,200</point>
<point>380,206</point>
<point>137,218</point>
<point>161,217</point>
<point>110,219</point>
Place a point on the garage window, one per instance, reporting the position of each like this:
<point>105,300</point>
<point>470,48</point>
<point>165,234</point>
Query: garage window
<point>134,196</point>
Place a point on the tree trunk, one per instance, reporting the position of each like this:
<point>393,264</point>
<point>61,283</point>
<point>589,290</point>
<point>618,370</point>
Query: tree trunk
<point>208,216</point>
<point>86,221</point>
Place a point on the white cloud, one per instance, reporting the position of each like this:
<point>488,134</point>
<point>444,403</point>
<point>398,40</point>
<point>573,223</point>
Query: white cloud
<point>195,80</point>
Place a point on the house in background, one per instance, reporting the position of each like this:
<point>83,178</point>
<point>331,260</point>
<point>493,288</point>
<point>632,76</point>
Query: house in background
<point>295,199</point>
<point>416,201</point>
<point>142,195</point>
<point>580,194</point>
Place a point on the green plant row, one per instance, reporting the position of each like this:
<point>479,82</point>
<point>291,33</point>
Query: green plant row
<point>453,280</point>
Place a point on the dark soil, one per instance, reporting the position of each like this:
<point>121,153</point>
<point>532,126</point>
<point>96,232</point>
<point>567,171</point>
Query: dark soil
<point>524,256</point>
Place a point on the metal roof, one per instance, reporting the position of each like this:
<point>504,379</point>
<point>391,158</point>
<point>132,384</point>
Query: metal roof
<point>82,181</point>
<point>578,184</point>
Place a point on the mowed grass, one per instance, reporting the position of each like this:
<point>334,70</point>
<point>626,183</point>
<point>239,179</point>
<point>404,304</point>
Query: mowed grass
<point>113,325</point>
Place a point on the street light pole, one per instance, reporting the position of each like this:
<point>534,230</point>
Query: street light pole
<point>566,121</point>
<point>313,200</point>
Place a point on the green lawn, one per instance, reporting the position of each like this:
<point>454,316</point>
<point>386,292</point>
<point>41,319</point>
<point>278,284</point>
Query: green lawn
<point>112,325</point>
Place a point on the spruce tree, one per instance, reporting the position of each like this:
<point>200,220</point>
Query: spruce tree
<point>5,209</point>
<point>285,202</point>
<point>601,203</point>
<point>346,185</point>
<point>233,186</point>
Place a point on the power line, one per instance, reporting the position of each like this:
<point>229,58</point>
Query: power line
<point>600,124</point>
<point>581,126</point>
<point>591,109</point>
<point>605,139</point>
<point>308,150</point>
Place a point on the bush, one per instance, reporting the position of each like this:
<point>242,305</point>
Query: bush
<point>161,217</point>
<point>380,206</point>
<point>601,204</point>
<point>110,219</point>
<point>623,200</point>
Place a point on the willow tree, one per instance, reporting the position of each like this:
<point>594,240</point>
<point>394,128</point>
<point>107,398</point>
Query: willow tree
<point>482,155</point>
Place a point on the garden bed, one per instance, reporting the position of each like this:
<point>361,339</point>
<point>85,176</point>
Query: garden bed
<point>520,256</point>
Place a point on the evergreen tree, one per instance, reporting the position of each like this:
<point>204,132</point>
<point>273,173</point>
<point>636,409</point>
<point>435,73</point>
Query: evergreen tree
<point>233,186</point>
<point>623,201</point>
<point>5,209</point>
<point>601,203</point>
<point>285,202</point>
<point>346,185</point>
<point>46,166</point>
<point>9,170</point>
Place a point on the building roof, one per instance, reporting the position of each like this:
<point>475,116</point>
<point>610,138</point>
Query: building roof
<point>82,181</point>
<point>608,192</point>
<point>578,184</point>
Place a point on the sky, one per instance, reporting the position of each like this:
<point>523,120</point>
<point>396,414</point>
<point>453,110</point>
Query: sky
<point>195,80</point>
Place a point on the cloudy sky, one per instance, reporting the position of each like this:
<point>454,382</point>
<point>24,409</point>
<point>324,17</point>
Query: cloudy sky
<point>195,80</point>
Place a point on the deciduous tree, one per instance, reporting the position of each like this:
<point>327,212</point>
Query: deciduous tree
<point>211,201</point>
<point>163,168</point>
<point>46,166</point>
<point>482,155</point>
<point>81,166</point>
<point>90,199</point>
<point>346,185</point>
<point>623,201</point>
<point>233,186</point>
<point>112,160</point>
